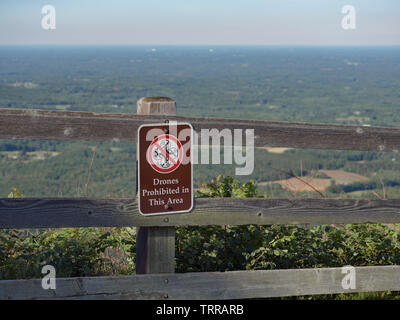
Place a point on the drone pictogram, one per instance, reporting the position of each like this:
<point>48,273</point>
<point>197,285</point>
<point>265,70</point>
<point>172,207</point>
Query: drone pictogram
<point>165,153</point>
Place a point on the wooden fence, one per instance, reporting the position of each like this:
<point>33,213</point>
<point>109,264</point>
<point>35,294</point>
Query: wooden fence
<point>155,278</point>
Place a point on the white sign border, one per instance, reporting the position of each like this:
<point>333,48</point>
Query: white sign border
<point>191,167</point>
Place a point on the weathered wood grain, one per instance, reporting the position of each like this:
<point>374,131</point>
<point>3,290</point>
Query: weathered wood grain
<point>73,125</point>
<point>155,246</point>
<point>82,212</point>
<point>155,250</point>
<point>208,285</point>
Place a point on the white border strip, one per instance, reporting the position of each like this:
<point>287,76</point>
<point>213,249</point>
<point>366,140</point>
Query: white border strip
<point>191,167</point>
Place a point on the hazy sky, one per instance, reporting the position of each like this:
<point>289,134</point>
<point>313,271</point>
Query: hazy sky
<point>201,22</point>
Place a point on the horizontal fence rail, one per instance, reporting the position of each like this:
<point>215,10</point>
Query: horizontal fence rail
<point>208,285</point>
<point>29,213</point>
<point>74,125</point>
<point>80,212</point>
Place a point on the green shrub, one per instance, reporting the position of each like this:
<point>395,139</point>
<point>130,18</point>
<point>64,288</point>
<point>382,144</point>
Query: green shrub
<point>280,247</point>
<point>284,247</point>
<point>110,251</point>
<point>73,252</point>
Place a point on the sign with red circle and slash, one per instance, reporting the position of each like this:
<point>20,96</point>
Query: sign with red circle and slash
<point>165,171</point>
<point>165,153</point>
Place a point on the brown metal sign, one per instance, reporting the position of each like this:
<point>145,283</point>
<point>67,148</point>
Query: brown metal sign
<point>165,170</point>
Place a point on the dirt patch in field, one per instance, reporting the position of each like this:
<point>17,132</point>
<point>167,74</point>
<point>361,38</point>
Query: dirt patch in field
<point>41,155</point>
<point>296,185</point>
<point>32,156</point>
<point>320,184</point>
<point>344,177</point>
<point>274,150</point>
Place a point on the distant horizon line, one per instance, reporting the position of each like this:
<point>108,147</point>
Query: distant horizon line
<point>199,45</point>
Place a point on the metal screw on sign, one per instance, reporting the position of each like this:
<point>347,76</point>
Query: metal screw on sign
<point>166,130</point>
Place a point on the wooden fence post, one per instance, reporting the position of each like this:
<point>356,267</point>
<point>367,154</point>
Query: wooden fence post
<point>155,246</point>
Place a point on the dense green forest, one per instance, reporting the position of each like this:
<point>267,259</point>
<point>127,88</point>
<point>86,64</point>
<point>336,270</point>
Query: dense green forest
<point>348,85</point>
<point>331,85</point>
<point>315,84</point>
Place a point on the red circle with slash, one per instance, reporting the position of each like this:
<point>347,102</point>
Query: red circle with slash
<point>165,153</point>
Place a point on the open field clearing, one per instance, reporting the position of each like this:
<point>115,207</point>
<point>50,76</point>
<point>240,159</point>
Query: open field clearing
<point>303,184</point>
<point>343,177</point>
<point>32,156</point>
<point>275,149</point>
<point>297,185</point>
<point>41,155</point>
